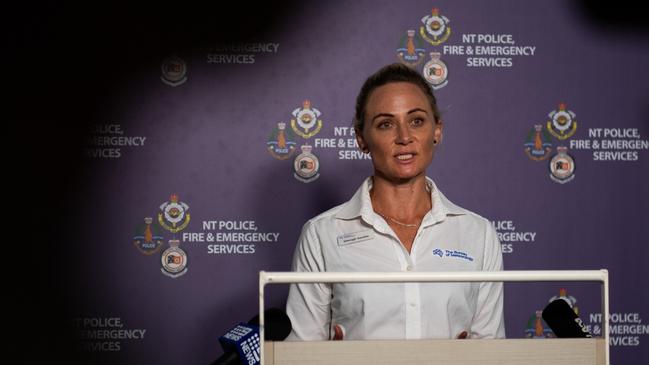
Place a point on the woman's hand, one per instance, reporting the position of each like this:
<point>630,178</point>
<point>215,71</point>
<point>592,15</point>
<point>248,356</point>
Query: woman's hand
<point>338,333</point>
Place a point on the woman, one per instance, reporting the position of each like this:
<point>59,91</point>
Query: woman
<point>397,221</point>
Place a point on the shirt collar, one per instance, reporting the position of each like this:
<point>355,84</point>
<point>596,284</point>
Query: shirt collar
<point>360,205</point>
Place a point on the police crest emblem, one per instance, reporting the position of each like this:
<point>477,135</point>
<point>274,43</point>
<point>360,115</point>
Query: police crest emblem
<point>537,328</point>
<point>174,260</point>
<point>306,123</point>
<point>148,237</point>
<point>174,216</point>
<point>411,53</point>
<point>281,142</point>
<point>174,71</point>
<point>537,143</point>
<point>435,71</point>
<point>563,294</point>
<point>306,165</point>
<point>435,29</point>
<point>562,166</point>
<point>563,123</point>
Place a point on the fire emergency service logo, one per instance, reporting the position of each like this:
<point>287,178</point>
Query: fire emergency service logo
<point>435,29</point>
<point>305,122</point>
<point>562,123</point>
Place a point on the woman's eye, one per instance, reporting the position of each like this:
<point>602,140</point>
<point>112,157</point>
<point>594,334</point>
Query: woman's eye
<point>385,124</point>
<point>417,121</point>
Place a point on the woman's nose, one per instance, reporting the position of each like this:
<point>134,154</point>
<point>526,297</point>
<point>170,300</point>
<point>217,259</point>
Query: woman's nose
<point>403,134</point>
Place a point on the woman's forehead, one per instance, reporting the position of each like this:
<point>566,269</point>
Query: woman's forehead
<point>397,95</point>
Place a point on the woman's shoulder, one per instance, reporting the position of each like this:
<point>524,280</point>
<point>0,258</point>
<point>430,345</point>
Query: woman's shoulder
<point>463,213</point>
<point>325,218</point>
<point>348,210</point>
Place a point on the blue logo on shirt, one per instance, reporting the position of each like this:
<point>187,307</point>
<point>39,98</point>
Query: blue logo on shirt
<point>452,253</point>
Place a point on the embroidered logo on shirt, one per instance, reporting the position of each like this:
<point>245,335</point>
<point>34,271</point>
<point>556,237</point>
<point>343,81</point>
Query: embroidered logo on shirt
<point>452,253</point>
<point>355,237</point>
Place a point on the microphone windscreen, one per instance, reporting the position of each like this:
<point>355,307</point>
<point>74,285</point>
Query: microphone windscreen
<point>563,320</point>
<point>277,325</point>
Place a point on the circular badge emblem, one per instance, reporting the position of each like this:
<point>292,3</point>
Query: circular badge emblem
<point>174,71</point>
<point>306,165</point>
<point>174,261</point>
<point>562,166</point>
<point>436,72</point>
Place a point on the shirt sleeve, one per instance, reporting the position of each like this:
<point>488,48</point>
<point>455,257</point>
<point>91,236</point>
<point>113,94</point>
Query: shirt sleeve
<point>488,320</point>
<point>309,305</point>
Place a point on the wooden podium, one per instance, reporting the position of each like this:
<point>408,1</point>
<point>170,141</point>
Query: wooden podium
<point>586,351</point>
<point>575,351</point>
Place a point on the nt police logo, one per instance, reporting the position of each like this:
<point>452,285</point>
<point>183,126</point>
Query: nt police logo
<point>537,328</point>
<point>411,52</point>
<point>148,237</point>
<point>173,217</point>
<point>538,143</point>
<point>281,142</point>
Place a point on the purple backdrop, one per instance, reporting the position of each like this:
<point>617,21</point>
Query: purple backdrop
<point>197,120</point>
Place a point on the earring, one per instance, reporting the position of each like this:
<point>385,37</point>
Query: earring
<point>435,141</point>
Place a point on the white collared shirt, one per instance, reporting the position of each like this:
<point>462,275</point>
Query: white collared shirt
<point>352,237</point>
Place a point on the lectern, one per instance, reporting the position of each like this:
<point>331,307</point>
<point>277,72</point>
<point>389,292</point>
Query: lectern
<point>587,351</point>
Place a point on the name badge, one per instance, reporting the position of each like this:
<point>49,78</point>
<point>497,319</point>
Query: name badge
<point>356,237</point>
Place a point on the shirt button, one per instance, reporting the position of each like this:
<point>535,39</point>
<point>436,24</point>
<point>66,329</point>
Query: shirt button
<point>413,305</point>
<point>409,268</point>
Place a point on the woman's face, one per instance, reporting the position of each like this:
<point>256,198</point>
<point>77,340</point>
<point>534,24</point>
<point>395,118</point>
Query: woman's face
<point>399,131</point>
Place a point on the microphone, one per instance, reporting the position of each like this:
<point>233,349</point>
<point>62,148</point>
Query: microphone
<point>563,320</point>
<point>241,343</point>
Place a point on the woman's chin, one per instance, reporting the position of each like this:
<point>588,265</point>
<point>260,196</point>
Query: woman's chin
<point>402,175</point>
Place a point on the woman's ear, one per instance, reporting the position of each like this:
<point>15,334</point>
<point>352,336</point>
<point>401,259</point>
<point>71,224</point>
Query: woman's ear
<point>437,132</point>
<point>361,141</point>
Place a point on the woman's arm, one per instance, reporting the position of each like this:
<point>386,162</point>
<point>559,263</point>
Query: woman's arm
<point>488,320</point>
<point>309,305</point>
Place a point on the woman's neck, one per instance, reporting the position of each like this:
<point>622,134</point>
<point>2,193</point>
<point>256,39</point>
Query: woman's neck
<point>408,201</point>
